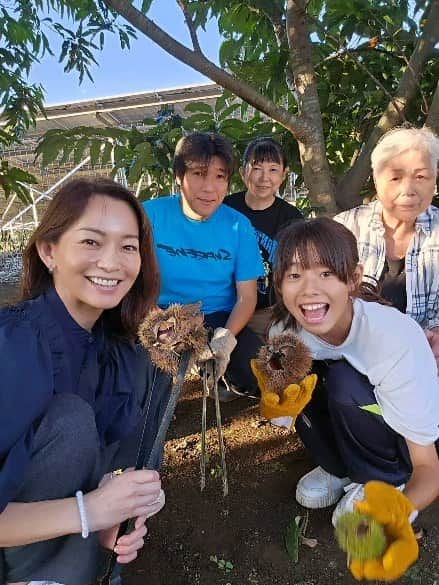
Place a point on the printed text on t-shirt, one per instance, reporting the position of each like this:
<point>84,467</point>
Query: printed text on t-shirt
<point>222,254</point>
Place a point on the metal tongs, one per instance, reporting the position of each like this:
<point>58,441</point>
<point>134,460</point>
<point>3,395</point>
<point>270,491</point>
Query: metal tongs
<point>210,387</point>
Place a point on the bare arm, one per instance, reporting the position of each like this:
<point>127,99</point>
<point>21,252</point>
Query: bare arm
<point>423,486</point>
<point>245,305</point>
<point>27,523</point>
<point>129,495</point>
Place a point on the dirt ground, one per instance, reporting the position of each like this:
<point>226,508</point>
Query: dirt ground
<point>245,532</point>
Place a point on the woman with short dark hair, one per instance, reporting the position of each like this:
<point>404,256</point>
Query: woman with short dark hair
<point>263,171</point>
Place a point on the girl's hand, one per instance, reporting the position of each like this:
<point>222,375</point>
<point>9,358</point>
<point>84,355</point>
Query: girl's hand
<point>127,546</point>
<point>129,495</point>
<point>392,509</point>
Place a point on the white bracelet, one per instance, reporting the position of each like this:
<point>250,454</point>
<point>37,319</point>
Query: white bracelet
<point>81,507</point>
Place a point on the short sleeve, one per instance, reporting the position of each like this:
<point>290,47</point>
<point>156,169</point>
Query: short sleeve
<point>248,258</point>
<point>408,392</point>
<point>292,214</point>
<point>348,219</point>
<point>148,208</point>
<point>26,389</point>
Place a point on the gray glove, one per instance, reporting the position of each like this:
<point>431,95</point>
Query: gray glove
<point>219,348</point>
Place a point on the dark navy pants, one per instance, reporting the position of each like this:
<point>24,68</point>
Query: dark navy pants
<point>248,343</point>
<point>67,456</point>
<point>343,428</point>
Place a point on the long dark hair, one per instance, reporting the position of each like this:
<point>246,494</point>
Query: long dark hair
<point>63,211</point>
<point>323,241</point>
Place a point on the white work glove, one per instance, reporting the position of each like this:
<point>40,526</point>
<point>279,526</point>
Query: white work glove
<point>220,348</point>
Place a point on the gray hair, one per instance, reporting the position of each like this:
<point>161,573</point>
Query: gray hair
<point>401,139</point>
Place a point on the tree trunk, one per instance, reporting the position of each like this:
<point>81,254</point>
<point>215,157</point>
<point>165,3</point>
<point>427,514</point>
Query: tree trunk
<point>316,173</point>
<point>198,61</point>
<point>432,120</point>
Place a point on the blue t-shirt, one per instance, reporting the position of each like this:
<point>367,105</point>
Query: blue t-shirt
<point>202,260</point>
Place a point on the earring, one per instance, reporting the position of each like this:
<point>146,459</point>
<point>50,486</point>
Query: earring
<point>50,269</point>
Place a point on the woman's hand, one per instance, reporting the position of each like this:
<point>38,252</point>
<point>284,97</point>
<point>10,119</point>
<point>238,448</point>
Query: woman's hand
<point>128,545</point>
<point>129,495</point>
<point>433,339</point>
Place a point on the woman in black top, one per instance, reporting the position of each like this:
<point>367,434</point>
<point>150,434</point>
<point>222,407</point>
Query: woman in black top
<point>264,168</point>
<point>74,385</point>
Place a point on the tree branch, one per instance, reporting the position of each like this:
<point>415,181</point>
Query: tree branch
<point>190,25</point>
<point>274,15</point>
<point>351,54</point>
<point>404,58</point>
<point>355,178</point>
<point>313,150</point>
<point>299,128</point>
<point>432,120</point>
<point>356,50</point>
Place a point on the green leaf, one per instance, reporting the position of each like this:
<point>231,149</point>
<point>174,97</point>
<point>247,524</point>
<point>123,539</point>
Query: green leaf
<point>292,538</point>
<point>199,107</point>
<point>95,151</point>
<point>199,122</point>
<point>228,111</point>
<point>146,5</point>
<point>78,154</point>
<point>106,153</point>
<point>388,19</point>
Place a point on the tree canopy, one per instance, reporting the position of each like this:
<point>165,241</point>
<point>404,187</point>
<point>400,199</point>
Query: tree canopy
<point>333,76</point>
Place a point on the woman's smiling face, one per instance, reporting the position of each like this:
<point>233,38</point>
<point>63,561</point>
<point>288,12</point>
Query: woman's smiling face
<point>405,186</point>
<point>97,260</point>
<point>318,300</point>
<point>263,179</point>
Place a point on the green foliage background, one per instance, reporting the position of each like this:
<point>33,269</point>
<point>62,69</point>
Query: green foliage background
<point>360,48</point>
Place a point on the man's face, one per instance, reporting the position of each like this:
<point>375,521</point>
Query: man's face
<point>204,187</point>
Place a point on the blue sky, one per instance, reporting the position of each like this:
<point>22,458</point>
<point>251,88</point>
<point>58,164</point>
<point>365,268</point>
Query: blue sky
<point>144,67</point>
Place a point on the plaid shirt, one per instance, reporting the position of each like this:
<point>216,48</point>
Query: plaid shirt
<point>421,261</point>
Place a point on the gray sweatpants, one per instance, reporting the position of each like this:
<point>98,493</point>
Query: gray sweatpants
<point>66,457</point>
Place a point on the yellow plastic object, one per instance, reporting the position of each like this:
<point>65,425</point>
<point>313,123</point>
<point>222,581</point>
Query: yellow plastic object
<point>391,508</point>
<point>290,402</point>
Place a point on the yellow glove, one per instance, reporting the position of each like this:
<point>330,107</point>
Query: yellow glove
<point>391,508</point>
<point>290,402</point>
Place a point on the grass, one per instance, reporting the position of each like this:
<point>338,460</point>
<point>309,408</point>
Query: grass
<point>222,564</point>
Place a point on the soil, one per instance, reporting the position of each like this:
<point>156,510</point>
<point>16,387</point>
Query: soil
<point>203,538</point>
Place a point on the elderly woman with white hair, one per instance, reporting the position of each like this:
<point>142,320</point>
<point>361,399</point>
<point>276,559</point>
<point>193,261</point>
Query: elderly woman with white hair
<point>398,233</point>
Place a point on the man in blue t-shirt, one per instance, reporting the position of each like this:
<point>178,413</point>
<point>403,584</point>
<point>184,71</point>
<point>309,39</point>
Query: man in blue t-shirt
<point>208,252</point>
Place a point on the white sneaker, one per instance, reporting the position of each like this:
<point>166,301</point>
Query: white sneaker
<point>354,493</point>
<point>320,489</point>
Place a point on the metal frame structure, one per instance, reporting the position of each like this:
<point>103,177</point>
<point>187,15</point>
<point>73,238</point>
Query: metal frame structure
<point>14,223</point>
<point>123,111</point>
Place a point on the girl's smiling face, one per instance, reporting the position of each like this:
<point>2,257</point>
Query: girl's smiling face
<point>318,300</point>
